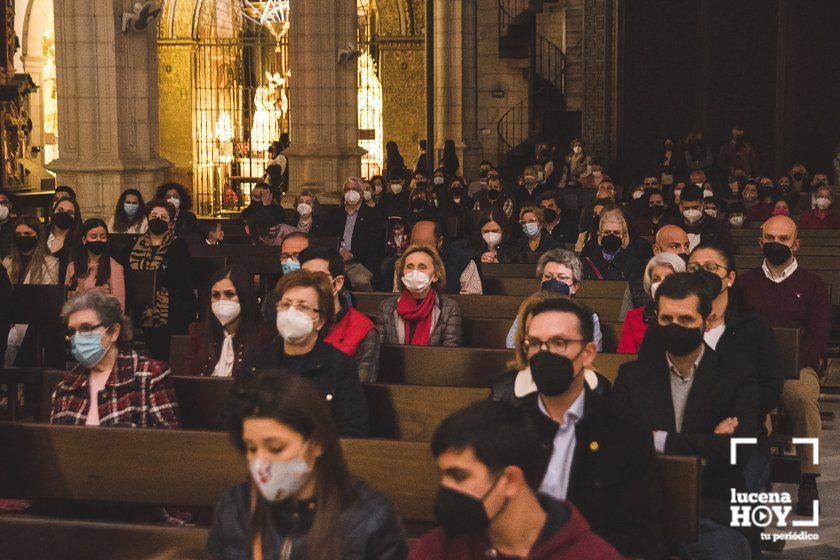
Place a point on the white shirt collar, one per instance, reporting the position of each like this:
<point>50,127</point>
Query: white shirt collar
<point>524,383</point>
<point>572,414</point>
<point>784,274</point>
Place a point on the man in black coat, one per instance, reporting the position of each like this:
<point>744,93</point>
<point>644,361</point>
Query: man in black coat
<point>700,227</point>
<point>694,403</point>
<point>602,458</point>
<point>361,235</point>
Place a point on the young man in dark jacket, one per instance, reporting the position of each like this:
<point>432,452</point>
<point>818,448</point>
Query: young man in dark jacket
<point>491,462</point>
<point>602,458</point>
<point>694,403</point>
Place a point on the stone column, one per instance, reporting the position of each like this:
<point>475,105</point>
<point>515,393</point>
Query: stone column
<point>324,96</point>
<point>456,83</point>
<point>599,77</point>
<point>107,104</point>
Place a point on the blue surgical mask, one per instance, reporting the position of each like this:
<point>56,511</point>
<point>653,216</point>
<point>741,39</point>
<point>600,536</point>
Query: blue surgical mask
<point>289,265</point>
<point>131,208</point>
<point>531,229</point>
<point>555,286</point>
<point>87,348</point>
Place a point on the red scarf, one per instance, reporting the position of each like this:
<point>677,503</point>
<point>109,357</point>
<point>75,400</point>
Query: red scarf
<point>417,314</point>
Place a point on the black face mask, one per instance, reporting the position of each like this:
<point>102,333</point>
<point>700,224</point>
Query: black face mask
<point>712,280</point>
<point>26,244</point>
<point>611,243</point>
<point>62,220</point>
<point>483,172</point>
<point>158,226</point>
<point>680,340</point>
<point>493,194</point>
<point>96,247</point>
<point>550,214</point>
<point>456,191</point>
<point>421,184</point>
<point>552,373</point>
<point>798,176</point>
<point>418,204</point>
<point>656,211</point>
<point>461,514</point>
<point>555,286</point>
<point>776,253</point>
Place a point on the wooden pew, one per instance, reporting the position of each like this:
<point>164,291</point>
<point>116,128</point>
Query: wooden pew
<point>60,539</point>
<point>170,467</point>
<point>462,367</point>
<point>805,250</point>
<point>502,307</point>
<point>401,412</point>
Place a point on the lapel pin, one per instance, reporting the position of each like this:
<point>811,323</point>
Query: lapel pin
<point>593,446</point>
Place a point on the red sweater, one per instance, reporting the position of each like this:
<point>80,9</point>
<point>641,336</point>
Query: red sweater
<point>633,331</point>
<point>813,220</point>
<point>800,301</point>
<point>574,540</point>
<point>349,331</point>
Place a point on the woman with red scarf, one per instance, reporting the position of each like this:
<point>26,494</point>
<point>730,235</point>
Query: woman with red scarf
<point>420,315</point>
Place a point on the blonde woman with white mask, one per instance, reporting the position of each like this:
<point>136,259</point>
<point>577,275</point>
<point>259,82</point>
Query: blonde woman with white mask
<point>420,315</point>
<point>305,313</point>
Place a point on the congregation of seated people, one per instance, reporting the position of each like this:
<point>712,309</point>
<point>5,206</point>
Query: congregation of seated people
<point>560,460</point>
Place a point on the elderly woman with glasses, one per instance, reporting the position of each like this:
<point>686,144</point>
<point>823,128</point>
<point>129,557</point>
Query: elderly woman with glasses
<point>559,273</point>
<point>636,321</point>
<point>305,314</point>
<point>112,385</point>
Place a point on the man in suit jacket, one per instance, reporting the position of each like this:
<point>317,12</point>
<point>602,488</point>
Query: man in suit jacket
<point>602,458</point>
<point>361,234</point>
<point>694,403</point>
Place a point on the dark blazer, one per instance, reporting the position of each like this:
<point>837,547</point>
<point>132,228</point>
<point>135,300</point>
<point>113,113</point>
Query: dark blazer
<point>627,265</point>
<point>368,243</point>
<point>370,528</point>
<point>719,391</point>
<point>334,372</point>
<point>747,340</point>
<point>613,477</point>
<point>547,242</point>
<point>186,225</point>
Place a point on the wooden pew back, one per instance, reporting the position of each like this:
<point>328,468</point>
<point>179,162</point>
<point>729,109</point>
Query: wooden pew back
<point>128,466</point>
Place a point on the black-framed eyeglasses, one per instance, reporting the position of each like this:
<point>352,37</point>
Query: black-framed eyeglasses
<point>70,333</point>
<point>556,345</point>
<point>712,267</point>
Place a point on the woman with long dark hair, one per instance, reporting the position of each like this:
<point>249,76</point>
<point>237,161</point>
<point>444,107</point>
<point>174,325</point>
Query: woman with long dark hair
<point>394,162</point>
<point>490,242</point>
<point>129,214</point>
<point>449,160</point>
<point>231,328</point>
<point>93,268</point>
<point>301,500</point>
<point>63,232</point>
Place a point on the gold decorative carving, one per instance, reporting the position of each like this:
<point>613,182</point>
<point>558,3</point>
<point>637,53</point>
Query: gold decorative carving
<point>402,70</point>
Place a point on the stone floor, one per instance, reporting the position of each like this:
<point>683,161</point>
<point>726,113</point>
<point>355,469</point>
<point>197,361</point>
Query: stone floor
<point>828,545</point>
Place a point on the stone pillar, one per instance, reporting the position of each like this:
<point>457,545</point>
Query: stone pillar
<point>107,104</point>
<point>324,96</point>
<point>456,82</point>
<point>599,81</point>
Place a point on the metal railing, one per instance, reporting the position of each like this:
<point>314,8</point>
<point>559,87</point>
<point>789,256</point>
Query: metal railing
<point>509,10</point>
<point>517,123</point>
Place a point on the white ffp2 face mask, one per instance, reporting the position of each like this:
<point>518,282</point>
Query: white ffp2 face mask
<point>278,480</point>
<point>226,310</point>
<point>352,197</point>
<point>492,238</point>
<point>416,281</point>
<point>294,325</point>
<point>4,213</point>
<point>176,202</point>
<point>304,209</point>
<point>692,215</point>
<point>822,203</point>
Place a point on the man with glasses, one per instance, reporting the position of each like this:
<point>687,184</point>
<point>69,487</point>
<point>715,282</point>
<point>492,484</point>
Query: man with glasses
<point>602,458</point>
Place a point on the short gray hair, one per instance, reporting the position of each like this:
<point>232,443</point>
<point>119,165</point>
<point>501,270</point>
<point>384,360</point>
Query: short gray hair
<point>564,257</point>
<point>662,259</point>
<point>107,308</point>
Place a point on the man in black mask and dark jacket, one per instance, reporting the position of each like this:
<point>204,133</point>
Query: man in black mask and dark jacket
<point>497,197</point>
<point>602,458</point>
<point>694,403</point>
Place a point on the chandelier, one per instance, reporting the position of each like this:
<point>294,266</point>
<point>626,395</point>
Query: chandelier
<point>267,12</point>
